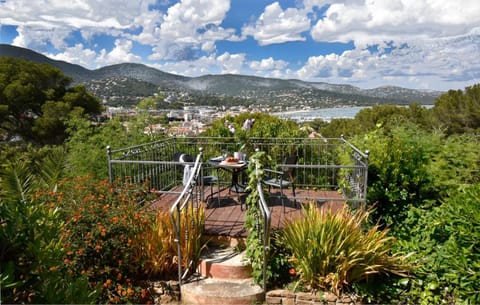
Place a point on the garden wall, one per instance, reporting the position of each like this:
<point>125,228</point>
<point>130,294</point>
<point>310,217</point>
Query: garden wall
<point>286,297</point>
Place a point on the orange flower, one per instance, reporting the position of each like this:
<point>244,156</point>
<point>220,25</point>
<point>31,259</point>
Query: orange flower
<point>107,283</point>
<point>291,271</point>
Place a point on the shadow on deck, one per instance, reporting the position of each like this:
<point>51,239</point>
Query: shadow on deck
<point>225,217</point>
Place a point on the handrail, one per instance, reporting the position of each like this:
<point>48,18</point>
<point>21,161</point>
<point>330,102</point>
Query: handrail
<point>266,231</point>
<point>364,155</point>
<point>179,205</point>
<point>266,214</point>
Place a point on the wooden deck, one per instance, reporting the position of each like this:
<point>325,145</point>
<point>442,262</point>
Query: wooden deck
<point>225,217</point>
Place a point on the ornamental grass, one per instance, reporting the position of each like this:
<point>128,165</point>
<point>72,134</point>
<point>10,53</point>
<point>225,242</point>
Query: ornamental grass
<point>332,251</point>
<point>158,248</point>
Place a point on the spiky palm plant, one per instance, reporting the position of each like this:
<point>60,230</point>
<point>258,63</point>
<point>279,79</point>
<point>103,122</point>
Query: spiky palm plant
<point>334,250</point>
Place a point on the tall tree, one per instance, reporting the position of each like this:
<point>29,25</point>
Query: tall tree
<point>36,100</point>
<point>458,111</point>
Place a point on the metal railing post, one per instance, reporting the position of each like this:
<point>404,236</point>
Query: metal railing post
<point>266,215</point>
<point>365,176</point>
<point>109,159</point>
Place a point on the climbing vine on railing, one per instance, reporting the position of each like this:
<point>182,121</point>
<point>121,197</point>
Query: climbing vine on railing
<point>253,219</point>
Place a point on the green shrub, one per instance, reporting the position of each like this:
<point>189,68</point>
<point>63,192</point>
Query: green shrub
<point>87,145</point>
<point>445,243</point>
<point>334,251</point>
<point>398,172</point>
<point>101,224</point>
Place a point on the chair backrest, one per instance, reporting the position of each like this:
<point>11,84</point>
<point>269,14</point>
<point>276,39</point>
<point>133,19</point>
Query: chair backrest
<point>289,172</point>
<point>182,157</point>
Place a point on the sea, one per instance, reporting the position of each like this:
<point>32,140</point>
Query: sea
<point>327,114</point>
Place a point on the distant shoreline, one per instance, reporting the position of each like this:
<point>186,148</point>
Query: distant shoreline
<point>326,114</point>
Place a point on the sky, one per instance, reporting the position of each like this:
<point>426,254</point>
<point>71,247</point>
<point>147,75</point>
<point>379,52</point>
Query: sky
<point>419,44</point>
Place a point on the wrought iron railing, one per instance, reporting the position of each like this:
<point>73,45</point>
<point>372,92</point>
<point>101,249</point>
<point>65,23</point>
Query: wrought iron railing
<point>323,164</point>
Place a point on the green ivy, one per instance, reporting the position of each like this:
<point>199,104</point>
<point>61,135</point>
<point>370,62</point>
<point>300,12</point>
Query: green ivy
<point>253,219</point>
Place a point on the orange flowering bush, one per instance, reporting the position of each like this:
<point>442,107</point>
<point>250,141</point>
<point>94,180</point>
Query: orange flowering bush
<point>101,224</point>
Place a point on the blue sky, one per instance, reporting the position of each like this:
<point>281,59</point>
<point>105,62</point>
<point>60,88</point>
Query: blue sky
<point>422,44</point>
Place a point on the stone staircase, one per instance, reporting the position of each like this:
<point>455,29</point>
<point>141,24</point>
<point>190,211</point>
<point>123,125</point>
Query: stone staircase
<point>224,279</point>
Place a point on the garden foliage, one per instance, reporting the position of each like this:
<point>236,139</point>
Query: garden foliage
<point>334,251</point>
<point>253,219</point>
<point>83,240</point>
<point>445,242</point>
<point>31,250</point>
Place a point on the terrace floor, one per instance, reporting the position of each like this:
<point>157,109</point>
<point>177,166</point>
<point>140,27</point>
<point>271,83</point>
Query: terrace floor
<point>224,216</point>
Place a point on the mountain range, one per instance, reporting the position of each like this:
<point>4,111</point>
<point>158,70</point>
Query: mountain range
<point>130,82</point>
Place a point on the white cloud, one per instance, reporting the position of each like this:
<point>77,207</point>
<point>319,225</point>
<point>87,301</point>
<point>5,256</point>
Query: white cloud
<point>268,64</point>
<point>222,64</point>
<point>189,26</point>
<point>38,38</point>
<point>120,54</point>
<point>77,55</point>
<point>76,14</point>
<point>426,64</point>
<point>231,63</point>
<point>371,22</point>
<point>278,26</point>
<point>39,22</point>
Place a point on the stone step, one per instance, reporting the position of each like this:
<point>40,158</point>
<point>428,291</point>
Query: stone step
<point>225,278</point>
<point>222,292</point>
<point>225,263</point>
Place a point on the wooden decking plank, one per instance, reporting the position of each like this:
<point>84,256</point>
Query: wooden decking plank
<point>227,219</point>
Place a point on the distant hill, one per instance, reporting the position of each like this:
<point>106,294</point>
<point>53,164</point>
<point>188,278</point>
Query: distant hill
<point>131,81</point>
<point>76,72</point>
